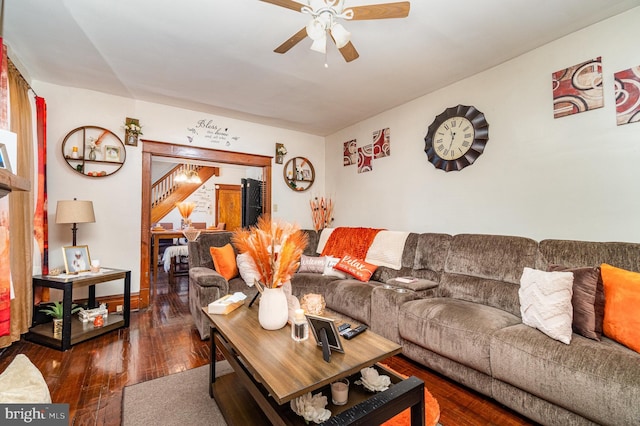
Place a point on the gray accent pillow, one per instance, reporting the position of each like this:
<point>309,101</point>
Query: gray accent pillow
<point>313,264</point>
<point>585,282</point>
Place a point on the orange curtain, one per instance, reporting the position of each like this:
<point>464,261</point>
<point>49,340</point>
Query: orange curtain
<point>40,222</point>
<point>21,207</point>
<point>5,277</point>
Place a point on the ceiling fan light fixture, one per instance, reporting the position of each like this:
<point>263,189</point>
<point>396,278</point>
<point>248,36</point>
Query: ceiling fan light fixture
<point>340,35</point>
<point>316,29</point>
<point>320,45</point>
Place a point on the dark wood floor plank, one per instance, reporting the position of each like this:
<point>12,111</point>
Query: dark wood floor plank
<point>163,340</point>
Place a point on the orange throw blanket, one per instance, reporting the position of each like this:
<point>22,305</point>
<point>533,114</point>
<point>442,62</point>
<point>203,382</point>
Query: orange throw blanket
<point>351,241</point>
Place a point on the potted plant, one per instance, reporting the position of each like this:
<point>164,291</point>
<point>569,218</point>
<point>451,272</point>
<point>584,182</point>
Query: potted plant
<point>55,310</point>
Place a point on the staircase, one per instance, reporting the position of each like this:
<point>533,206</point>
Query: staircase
<point>166,192</point>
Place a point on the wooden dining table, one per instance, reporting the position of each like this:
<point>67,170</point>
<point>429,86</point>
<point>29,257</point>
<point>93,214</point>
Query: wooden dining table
<point>167,234</point>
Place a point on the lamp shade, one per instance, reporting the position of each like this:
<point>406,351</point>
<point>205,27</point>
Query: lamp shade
<point>320,45</point>
<point>316,29</point>
<point>75,211</point>
<point>340,35</point>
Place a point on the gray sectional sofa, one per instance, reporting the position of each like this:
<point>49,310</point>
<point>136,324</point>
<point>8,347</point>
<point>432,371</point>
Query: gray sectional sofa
<point>462,319</point>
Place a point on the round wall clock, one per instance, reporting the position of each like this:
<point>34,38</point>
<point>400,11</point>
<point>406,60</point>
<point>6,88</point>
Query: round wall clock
<point>456,138</point>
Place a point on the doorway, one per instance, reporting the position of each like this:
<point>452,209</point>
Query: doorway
<point>228,206</point>
<point>151,149</point>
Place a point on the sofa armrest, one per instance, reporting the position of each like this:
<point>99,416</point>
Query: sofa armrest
<point>207,277</point>
<point>420,285</point>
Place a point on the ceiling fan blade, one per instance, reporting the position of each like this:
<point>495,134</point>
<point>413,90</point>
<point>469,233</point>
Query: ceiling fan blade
<point>349,53</point>
<point>295,39</point>
<point>381,11</point>
<point>289,4</point>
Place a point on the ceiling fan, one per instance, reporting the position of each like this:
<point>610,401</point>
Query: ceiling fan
<point>324,20</point>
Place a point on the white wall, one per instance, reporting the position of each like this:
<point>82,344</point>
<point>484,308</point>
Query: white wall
<point>115,237</point>
<point>575,177</point>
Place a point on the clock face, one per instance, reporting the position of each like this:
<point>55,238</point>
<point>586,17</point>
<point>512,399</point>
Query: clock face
<point>453,138</point>
<point>456,138</point>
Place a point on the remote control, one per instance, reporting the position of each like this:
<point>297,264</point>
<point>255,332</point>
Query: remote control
<point>354,332</point>
<point>343,326</point>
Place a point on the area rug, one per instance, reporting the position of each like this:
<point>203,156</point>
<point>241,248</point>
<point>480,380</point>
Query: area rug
<point>183,399</point>
<point>431,409</point>
<point>178,399</point>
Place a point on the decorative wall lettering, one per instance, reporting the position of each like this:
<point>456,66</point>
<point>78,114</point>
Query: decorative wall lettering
<point>206,130</point>
<point>627,91</point>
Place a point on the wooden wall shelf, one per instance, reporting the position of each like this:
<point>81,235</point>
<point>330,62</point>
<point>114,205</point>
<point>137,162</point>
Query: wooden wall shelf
<point>10,182</point>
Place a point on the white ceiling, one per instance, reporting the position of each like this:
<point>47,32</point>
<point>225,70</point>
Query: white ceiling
<point>216,56</point>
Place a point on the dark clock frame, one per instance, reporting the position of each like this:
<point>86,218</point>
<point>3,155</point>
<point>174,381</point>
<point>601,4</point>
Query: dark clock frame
<point>481,137</point>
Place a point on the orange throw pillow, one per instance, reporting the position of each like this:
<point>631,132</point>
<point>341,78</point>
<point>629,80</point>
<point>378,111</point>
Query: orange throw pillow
<point>621,301</point>
<point>358,268</point>
<point>224,260</point>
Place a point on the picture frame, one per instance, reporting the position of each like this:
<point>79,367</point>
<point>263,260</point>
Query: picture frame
<point>112,153</point>
<point>306,174</point>
<point>76,259</point>
<point>5,163</point>
<point>9,150</point>
<point>131,138</point>
<point>317,324</point>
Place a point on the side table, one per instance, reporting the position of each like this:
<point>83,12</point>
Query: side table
<point>73,329</point>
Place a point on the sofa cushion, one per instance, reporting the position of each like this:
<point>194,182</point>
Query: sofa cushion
<point>224,261</point>
<point>487,268</point>
<point>199,253</point>
<point>545,302</point>
<point>304,283</point>
<point>431,254</point>
<point>357,268</point>
<point>571,253</point>
<point>453,328</point>
<point>585,284</point>
<point>314,264</point>
<point>247,269</point>
<point>598,380</point>
<point>329,269</point>
<point>350,297</point>
<point>621,301</point>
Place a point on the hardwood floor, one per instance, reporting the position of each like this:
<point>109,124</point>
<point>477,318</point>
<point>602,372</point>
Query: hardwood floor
<point>162,340</point>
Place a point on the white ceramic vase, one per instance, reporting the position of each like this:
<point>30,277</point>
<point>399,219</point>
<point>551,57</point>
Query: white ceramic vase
<point>273,311</point>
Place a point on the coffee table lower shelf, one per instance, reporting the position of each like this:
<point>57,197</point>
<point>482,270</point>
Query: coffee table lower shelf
<point>239,407</point>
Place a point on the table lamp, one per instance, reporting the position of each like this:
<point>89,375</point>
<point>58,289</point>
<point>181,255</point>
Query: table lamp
<point>75,211</point>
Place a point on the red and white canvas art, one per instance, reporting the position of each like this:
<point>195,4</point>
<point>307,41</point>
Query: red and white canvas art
<point>382,143</point>
<point>627,91</point>
<point>365,158</point>
<point>578,88</point>
<point>350,153</point>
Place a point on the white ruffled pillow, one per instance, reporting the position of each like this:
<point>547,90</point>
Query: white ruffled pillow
<point>247,269</point>
<point>329,268</point>
<point>545,302</point>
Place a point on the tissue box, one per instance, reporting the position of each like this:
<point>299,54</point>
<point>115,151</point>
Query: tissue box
<point>226,304</point>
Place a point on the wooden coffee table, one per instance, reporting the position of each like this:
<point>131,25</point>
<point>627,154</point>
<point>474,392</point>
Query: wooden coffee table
<point>271,369</point>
